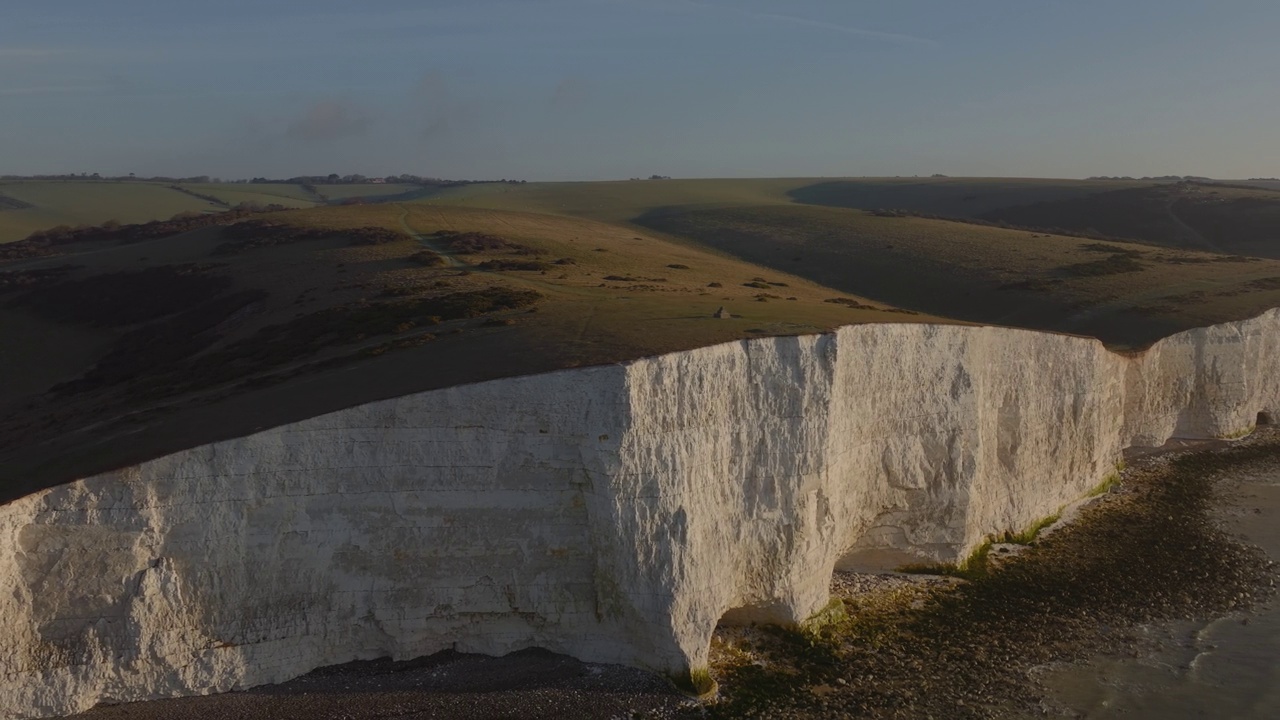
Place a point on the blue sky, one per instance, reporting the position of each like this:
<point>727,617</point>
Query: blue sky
<point>598,89</point>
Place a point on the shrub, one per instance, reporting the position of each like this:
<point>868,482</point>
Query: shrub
<point>1112,265</point>
<point>497,265</point>
<point>850,303</point>
<point>427,258</point>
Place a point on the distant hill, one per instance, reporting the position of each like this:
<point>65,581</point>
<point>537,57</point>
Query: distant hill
<point>1126,294</point>
<point>953,197</point>
<point>1240,218</point>
<point>27,206</point>
<point>43,205</point>
<point>1200,216</point>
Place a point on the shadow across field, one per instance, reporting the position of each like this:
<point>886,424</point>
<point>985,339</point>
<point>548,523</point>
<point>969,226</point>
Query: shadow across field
<point>943,196</point>
<point>914,264</point>
<point>1188,215</point>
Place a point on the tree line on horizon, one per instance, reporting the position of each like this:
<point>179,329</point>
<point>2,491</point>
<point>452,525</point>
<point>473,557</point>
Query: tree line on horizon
<point>330,179</point>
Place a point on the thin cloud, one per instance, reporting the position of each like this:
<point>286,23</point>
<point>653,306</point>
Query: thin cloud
<point>448,121</point>
<point>442,112</point>
<point>55,90</point>
<point>432,87</point>
<point>815,24</point>
<point>329,120</point>
<point>570,91</point>
<point>30,52</point>
<point>846,29</point>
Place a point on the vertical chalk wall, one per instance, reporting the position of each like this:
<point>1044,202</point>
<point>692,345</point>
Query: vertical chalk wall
<point>612,513</point>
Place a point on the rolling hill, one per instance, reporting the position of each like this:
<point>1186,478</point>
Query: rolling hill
<point>30,206</point>
<point>218,330</point>
<point>1216,217</point>
<point>147,339</point>
<point>43,205</point>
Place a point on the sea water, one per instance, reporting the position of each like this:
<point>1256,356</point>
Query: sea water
<point>1228,668</point>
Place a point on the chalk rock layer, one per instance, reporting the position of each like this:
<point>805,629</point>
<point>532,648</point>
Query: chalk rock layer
<point>614,513</point>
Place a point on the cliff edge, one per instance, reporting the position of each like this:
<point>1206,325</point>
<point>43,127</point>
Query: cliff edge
<point>613,513</point>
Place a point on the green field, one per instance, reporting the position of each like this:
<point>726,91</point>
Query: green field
<point>367,191</point>
<point>974,272</point>
<point>953,197</point>
<point>623,201</point>
<point>1127,294</point>
<point>292,196</point>
<point>296,196</point>
<point>1217,218</point>
<point>91,203</point>
<point>42,205</point>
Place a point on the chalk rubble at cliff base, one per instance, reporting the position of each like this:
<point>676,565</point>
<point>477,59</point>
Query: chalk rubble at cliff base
<point>613,513</point>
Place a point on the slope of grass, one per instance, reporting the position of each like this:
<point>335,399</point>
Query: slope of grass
<point>91,203</point>
<point>955,197</point>
<point>261,193</point>
<point>366,191</point>
<point>620,270</point>
<point>622,201</point>
<point>269,323</point>
<point>1126,294</point>
<point>1183,215</point>
<point>32,205</point>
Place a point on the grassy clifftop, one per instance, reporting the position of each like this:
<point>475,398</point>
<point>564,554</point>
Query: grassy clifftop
<point>219,330</point>
<point>176,334</point>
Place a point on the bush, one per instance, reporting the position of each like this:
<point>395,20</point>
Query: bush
<point>426,258</point>
<point>850,303</point>
<point>473,243</point>
<point>497,265</point>
<point>1112,265</point>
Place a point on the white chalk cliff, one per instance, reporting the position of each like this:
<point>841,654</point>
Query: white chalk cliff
<point>612,513</point>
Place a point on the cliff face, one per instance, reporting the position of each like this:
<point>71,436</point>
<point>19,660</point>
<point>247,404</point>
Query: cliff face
<point>615,513</point>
